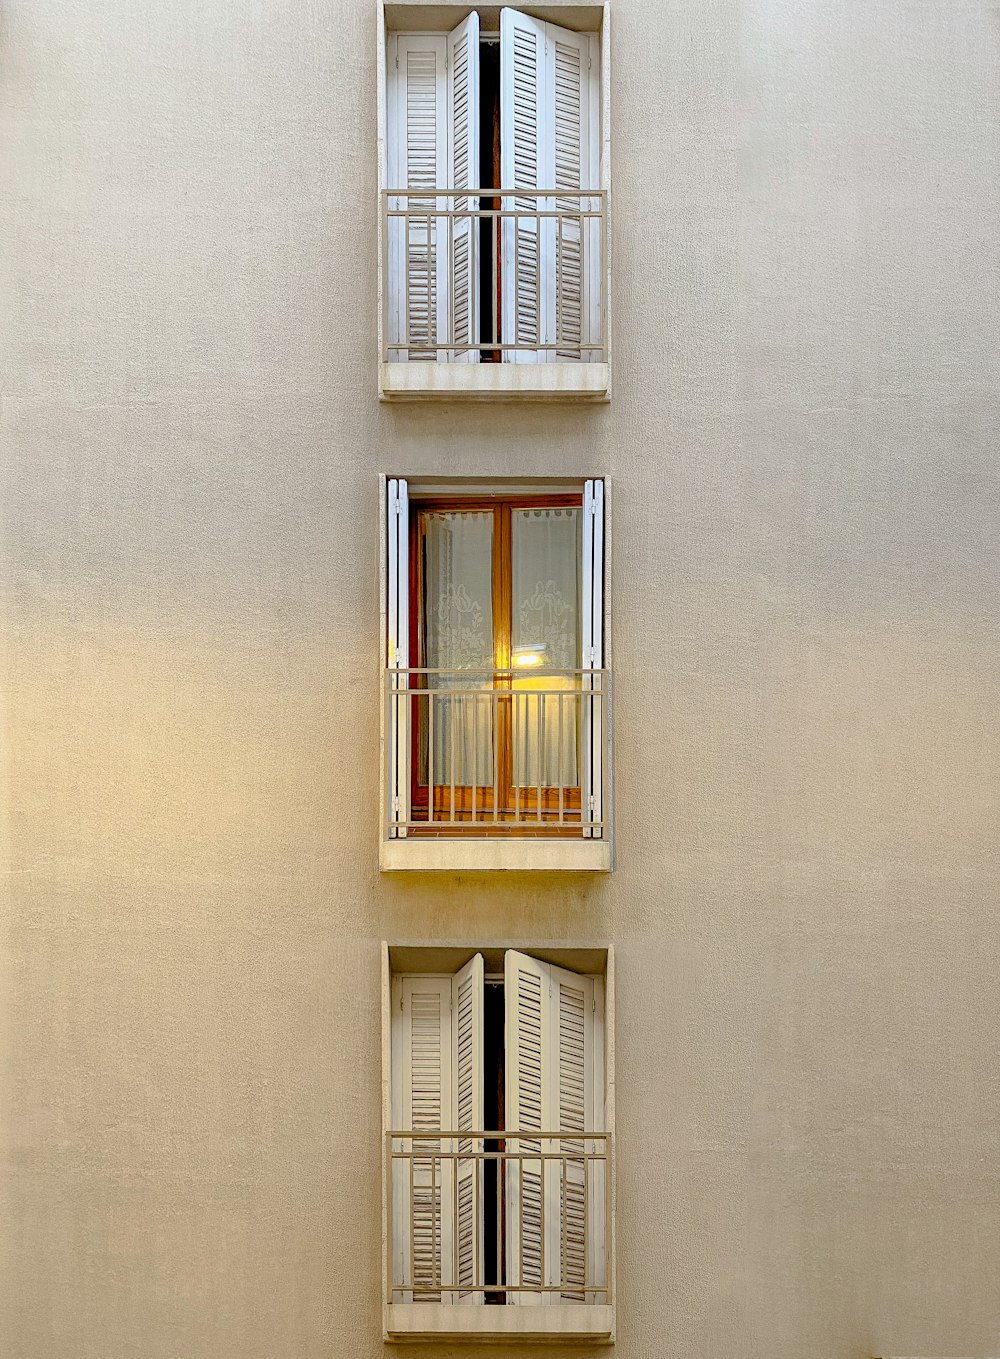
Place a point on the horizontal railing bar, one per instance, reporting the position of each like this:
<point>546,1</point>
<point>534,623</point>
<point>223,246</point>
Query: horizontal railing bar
<point>525,672</point>
<point>567,1286</point>
<point>576,1157</point>
<point>495,193</point>
<point>523,348</point>
<point>488,214</point>
<point>521,1136</point>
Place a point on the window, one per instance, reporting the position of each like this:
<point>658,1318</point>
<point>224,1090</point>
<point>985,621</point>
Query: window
<point>498,1177</point>
<point>499,728</point>
<point>493,229</point>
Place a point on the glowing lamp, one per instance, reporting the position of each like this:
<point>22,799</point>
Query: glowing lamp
<point>526,657</point>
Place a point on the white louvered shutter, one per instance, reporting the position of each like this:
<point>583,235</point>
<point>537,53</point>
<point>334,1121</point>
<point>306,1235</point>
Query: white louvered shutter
<point>467,1045</point>
<point>569,76</point>
<point>463,156</point>
<point>418,160</point>
<point>554,1068</point>
<point>548,140</point>
<point>397,652</point>
<point>423,1103</point>
<point>594,715</point>
<point>523,165</point>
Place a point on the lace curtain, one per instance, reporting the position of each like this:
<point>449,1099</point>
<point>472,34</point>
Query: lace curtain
<point>545,552</point>
<point>545,636</point>
<point>458,624</point>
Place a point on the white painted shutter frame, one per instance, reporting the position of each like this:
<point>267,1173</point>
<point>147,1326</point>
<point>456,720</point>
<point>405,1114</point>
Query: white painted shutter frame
<point>463,158</point>
<point>467,1046</point>
<point>595,714</point>
<point>398,649</point>
<point>549,112</point>
<point>554,1083</point>
<point>419,276</point>
<point>422,1102</point>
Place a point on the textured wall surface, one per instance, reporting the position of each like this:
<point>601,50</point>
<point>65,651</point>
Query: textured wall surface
<point>806,594</point>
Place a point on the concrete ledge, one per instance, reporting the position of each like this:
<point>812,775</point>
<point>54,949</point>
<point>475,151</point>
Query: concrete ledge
<point>425,855</point>
<point>495,381</point>
<point>441,1321</point>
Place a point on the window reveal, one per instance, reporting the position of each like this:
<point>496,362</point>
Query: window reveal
<point>498,724</point>
<point>518,1218</point>
<point>477,277</point>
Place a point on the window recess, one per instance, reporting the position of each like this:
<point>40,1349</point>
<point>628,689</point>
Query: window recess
<point>496,699</point>
<point>494,214</point>
<point>498,1155</point>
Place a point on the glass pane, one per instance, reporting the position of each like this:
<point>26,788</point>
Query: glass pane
<point>545,549</point>
<point>458,636</point>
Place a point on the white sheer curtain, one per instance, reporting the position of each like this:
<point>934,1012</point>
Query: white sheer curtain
<point>458,635</point>
<point>545,549</point>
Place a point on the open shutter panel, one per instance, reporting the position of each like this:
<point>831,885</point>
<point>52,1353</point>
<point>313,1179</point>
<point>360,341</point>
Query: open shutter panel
<point>523,165</point>
<point>568,77</point>
<point>548,140</point>
<point>423,1089</point>
<point>526,1067</point>
<point>467,1021</point>
<point>397,651</point>
<point>463,111</point>
<point>595,714</point>
<point>418,161</point>
<point>554,1066</point>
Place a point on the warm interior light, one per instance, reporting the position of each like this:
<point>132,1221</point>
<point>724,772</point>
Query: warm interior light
<point>526,656</point>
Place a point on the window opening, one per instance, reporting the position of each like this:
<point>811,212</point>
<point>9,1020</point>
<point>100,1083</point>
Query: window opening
<point>495,687</point>
<point>490,290</point>
<point>518,1218</point>
<point>493,1106</point>
<point>497,625</point>
<point>486,277</point>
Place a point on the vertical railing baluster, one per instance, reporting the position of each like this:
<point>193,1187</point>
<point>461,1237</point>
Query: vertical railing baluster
<point>495,743</point>
<point>540,729</point>
<point>430,751</point>
<point>456,1226</point>
<point>587,1244</point>
<point>515,737</point>
<point>453,703</point>
<point>538,278</point>
<point>475,754</point>
<point>501,1261</point>
<point>437,1275</point>
<point>562,771</point>
<point>543,1226</point>
<point>412,1220</point>
<point>390,1189</point>
<point>563,1277</point>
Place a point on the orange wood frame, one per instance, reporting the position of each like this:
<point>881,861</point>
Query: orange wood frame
<point>502,576</point>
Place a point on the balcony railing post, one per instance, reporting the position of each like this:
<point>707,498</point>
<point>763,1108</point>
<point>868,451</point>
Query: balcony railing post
<point>390,1190</point>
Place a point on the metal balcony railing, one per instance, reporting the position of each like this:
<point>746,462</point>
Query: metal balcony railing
<point>490,275</point>
<point>497,751</point>
<point>498,1217</point>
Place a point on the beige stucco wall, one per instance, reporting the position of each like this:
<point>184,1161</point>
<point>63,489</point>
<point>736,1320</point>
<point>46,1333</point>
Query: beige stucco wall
<point>806,589</point>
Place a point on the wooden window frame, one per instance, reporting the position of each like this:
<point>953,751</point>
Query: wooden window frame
<point>526,799</point>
